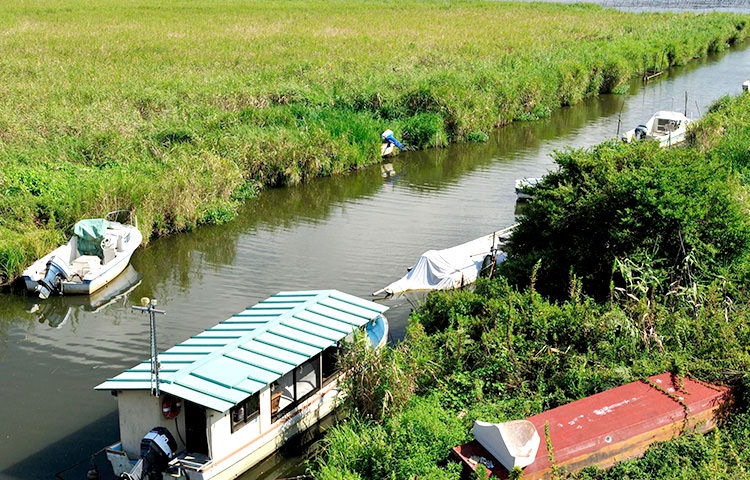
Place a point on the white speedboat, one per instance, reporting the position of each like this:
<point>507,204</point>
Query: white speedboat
<point>232,395</point>
<point>98,251</point>
<point>668,128</point>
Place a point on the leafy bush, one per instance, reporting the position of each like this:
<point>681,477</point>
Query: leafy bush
<point>659,207</point>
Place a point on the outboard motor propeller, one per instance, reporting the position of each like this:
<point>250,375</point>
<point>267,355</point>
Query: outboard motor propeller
<point>157,449</point>
<point>51,282</point>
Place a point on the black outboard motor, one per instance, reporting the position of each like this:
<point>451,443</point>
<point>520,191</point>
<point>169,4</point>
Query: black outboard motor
<point>157,449</point>
<point>640,132</point>
<point>51,282</point>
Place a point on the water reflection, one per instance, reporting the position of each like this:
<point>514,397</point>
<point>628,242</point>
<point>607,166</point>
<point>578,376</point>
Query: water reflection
<point>56,311</point>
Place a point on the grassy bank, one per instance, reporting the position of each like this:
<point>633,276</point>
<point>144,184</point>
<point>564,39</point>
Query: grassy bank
<point>630,261</point>
<point>178,110</point>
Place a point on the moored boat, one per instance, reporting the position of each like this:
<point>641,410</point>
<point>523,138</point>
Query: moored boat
<point>668,128</point>
<point>453,267</point>
<point>235,393</point>
<point>598,430</point>
<point>96,254</point>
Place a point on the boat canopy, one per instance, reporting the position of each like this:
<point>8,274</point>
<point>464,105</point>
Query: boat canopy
<point>450,268</point>
<point>90,233</point>
<point>227,363</point>
<point>667,115</point>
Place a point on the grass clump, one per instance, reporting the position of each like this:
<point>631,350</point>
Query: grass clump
<point>660,286</point>
<point>172,110</point>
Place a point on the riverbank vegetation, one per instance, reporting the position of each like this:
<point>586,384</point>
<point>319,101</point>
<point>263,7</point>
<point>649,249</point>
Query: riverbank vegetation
<point>182,109</point>
<point>630,261</point>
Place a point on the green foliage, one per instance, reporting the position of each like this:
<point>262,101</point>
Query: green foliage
<point>503,354</point>
<point>378,383</point>
<point>661,237</point>
<point>409,444</point>
<point>662,208</point>
<point>173,111</point>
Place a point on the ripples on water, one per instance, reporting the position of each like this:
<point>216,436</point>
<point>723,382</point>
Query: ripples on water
<point>355,233</point>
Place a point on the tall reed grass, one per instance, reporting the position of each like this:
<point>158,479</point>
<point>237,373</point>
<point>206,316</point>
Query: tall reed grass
<point>177,109</point>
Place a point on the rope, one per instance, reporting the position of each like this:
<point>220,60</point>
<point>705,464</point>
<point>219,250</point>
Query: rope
<point>90,459</point>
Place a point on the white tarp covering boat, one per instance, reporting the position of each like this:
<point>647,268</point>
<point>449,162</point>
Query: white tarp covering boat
<point>451,268</point>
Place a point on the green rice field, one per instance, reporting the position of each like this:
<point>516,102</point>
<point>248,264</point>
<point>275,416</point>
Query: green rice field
<point>181,109</point>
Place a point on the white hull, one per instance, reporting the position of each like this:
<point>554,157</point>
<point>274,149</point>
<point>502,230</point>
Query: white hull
<point>93,280</point>
<point>667,128</point>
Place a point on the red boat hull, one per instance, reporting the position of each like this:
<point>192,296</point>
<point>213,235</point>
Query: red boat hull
<point>611,426</point>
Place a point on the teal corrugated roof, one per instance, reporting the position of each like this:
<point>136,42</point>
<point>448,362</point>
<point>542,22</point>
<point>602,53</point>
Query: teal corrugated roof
<point>225,364</point>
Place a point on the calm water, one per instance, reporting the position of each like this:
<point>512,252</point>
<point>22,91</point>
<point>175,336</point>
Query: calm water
<point>355,233</point>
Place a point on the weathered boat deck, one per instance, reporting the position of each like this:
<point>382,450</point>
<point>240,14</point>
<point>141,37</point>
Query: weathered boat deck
<point>611,426</point>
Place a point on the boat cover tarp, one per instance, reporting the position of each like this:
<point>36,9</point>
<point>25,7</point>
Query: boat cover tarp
<point>90,233</point>
<point>446,269</point>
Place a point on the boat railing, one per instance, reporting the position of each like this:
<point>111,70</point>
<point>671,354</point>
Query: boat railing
<point>117,216</point>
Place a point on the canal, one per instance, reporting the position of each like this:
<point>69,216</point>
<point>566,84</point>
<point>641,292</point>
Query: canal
<point>356,233</point>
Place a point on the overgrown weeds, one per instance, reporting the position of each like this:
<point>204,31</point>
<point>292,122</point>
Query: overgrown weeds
<point>171,110</point>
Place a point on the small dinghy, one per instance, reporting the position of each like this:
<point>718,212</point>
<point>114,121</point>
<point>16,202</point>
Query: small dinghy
<point>668,128</point>
<point>98,251</point>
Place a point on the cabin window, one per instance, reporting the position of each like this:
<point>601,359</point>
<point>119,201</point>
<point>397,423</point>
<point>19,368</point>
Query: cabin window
<point>245,412</point>
<point>282,395</point>
<point>329,363</point>
<point>307,378</point>
<point>294,387</point>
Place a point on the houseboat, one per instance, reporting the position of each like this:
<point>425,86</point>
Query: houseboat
<point>95,255</point>
<point>232,395</point>
<point>598,430</point>
<point>668,128</point>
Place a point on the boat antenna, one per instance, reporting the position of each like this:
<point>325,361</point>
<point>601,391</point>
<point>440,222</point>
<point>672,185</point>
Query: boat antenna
<point>698,108</point>
<point>147,306</point>
<point>619,120</point>
<point>686,103</point>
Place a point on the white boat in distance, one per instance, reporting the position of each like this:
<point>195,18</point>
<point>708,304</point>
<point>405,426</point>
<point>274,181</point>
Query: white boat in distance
<point>668,128</point>
<point>98,251</point>
<point>233,394</point>
<point>523,185</point>
<point>453,267</point>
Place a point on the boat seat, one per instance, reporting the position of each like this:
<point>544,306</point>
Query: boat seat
<point>85,264</point>
<point>109,248</point>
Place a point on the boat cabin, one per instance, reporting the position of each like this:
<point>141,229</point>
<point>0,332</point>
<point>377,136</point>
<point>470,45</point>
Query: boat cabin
<point>233,394</point>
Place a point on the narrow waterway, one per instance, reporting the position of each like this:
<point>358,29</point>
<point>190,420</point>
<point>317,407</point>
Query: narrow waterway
<point>355,233</point>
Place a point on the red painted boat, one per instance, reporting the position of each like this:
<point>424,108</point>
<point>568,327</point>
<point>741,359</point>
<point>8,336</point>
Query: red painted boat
<point>614,425</point>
